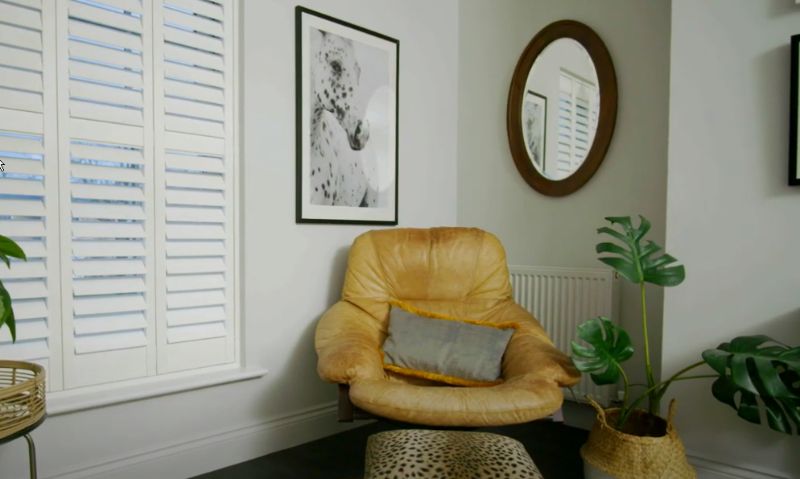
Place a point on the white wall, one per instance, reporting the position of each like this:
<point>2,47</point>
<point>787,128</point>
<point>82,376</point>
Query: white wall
<point>730,217</point>
<point>291,272</point>
<point>539,230</point>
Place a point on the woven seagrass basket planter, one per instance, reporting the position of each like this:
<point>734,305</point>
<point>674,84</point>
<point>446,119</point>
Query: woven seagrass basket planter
<point>631,456</point>
<point>22,391</point>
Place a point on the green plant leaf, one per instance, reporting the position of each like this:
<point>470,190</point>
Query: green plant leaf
<point>11,322</point>
<point>776,418</point>
<point>612,232</point>
<point>3,308</point>
<point>625,221</point>
<point>661,276</point>
<point>748,343</point>
<point>748,408</point>
<point>648,250</point>
<point>758,369</point>
<point>644,227</point>
<point>613,248</point>
<point>792,406</point>
<point>724,391</point>
<point>608,346</point>
<point>7,313</point>
<point>754,364</point>
<point>624,267</point>
<point>634,258</point>
<point>9,248</point>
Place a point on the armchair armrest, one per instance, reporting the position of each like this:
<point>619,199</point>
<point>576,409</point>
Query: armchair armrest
<point>531,355</point>
<point>348,342</point>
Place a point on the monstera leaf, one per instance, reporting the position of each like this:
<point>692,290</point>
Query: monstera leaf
<point>608,346</point>
<point>8,248</point>
<point>758,369</point>
<point>6,313</point>
<point>634,260</point>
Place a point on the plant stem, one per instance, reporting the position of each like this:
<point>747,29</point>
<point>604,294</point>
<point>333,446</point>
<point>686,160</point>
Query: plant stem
<point>659,390</point>
<point>626,411</point>
<point>699,376</point>
<point>684,370</point>
<point>627,386</point>
<point>677,377</point>
<point>653,400</point>
<point>620,419</point>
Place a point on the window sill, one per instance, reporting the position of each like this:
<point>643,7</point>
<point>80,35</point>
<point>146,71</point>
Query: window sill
<point>64,402</point>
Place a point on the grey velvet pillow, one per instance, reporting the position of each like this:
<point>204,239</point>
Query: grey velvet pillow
<point>446,350</point>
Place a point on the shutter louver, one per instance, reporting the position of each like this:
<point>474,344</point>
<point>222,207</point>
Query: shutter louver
<point>28,210</point>
<point>106,187</point>
<point>195,148</point>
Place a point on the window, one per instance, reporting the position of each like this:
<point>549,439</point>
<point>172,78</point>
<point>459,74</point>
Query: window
<point>117,134</point>
<point>578,105</point>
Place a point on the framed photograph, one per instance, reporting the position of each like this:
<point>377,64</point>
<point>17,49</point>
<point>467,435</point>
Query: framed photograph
<point>794,121</point>
<point>534,127</point>
<point>347,97</point>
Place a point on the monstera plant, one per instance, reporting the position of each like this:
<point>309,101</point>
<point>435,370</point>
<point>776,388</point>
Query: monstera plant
<point>750,373</point>
<point>8,249</point>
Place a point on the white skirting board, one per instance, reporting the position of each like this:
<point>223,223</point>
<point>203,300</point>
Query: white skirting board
<point>709,469</point>
<point>204,454</point>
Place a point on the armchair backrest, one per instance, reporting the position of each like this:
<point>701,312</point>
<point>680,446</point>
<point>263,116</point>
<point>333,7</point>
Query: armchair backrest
<point>436,264</point>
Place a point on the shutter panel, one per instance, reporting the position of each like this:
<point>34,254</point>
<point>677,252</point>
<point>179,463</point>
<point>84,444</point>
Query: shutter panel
<point>28,206</point>
<point>194,145</point>
<point>106,191</point>
<point>566,111</point>
<point>577,122</point>
<point>581,130</point>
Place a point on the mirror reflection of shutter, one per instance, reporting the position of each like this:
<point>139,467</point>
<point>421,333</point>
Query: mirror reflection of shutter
<point>566,114</point>
<point>195,146</point>
<point>577,122</point>
<point>106,188</point>
<point>28,192</point>
<point>582,121</point>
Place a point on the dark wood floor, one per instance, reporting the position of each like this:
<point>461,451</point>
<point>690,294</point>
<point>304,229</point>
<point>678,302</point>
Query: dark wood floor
<point>553,447</point>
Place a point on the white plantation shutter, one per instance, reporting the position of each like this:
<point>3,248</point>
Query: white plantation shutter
<point>194,144</point>
<point>106,191</point>
<point>117,131</point>
<point>28,205</point>
<point>577,120</point>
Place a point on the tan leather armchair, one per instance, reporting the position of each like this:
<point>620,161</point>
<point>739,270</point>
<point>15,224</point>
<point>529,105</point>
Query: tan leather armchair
<point>456,271</point>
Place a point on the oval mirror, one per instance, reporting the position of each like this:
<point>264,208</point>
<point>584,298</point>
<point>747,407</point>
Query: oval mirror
<point>562,108</point>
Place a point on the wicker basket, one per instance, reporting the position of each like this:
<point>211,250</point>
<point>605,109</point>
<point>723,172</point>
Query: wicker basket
<point>21,396</point>
<point>626,456</point>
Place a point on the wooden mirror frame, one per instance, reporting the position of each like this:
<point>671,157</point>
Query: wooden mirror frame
<point>606,121</point>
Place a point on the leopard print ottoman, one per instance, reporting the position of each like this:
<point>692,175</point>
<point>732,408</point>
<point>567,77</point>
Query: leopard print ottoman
<point>446,455</point>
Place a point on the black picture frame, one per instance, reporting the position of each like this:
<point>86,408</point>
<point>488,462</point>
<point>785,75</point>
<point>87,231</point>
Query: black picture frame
<point>347,122</point>
<point>794,121</point>
<point>534,123</point>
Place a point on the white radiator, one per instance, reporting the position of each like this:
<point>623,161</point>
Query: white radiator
<point>563,298</point>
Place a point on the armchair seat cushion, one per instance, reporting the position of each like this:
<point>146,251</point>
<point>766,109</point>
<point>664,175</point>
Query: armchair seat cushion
<point>512,402</point>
